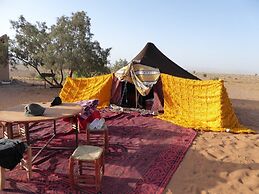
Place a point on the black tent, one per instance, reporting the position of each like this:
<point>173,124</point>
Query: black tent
<point>151,56</point>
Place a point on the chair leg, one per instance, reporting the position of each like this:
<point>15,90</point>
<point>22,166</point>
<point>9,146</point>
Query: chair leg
<point>75,123</point>
<point>102,163</point>
<point>71,172</point>
<point>87,136</point>
<point>2,178</point>
<point>29,162</point>
<point>78,126</point>
<point>106,143</point>
<point>80,168</point>
<point>97,174</point>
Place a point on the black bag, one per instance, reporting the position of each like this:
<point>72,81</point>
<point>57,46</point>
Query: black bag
<point>34,109</point>
<point>56,101</point>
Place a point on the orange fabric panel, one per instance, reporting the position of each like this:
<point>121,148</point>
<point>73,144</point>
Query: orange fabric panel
<point>202,105</point>
<point>78,89</point>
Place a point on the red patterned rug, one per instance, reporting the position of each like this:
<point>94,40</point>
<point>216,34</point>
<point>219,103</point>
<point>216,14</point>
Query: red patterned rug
<point>144,153</point>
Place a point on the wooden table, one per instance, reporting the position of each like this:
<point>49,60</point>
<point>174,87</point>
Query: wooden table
<point>15,115</point>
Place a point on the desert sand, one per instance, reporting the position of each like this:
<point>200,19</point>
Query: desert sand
<point>216,162</point>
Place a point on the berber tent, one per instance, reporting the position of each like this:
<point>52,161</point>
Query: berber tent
<point>192,103</point>
<point>123,93</point>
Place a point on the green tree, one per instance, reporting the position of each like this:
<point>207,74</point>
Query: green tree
<point>118,64</point>
<point>66,46</point>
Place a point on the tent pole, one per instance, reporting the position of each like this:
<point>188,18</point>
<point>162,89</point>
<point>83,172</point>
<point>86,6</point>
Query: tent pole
<point>136,95</point>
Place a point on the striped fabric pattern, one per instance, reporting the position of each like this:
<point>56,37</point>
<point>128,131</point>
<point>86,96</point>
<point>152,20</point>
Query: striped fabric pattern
<point>143,77</point>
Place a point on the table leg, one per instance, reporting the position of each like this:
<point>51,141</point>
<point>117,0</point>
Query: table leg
<point>54,127</point>
<point>75,124</point>
<point>27,134</point>
<point>9,128</point>
<point>29,151</point>
<point>29,162</point>
<point>77,128</point>
<point>2,178</point>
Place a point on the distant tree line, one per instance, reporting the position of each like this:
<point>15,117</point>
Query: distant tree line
<point>65,48</point>
<point>118,64</point>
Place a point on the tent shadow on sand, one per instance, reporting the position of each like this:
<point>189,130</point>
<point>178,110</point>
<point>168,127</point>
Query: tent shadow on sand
<point>193,179</point>
<point>248,112</point>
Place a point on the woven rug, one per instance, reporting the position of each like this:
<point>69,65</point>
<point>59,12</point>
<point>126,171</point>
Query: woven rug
<point>144,152</point>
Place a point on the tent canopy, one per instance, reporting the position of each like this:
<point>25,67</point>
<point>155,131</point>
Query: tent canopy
<point>151,56</point>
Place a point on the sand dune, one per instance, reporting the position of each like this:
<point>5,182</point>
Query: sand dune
<point>216,162</point>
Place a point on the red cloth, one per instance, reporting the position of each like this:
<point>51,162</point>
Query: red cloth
<point>131,143</point>
<point>69,119</point>
<point>83,122</point>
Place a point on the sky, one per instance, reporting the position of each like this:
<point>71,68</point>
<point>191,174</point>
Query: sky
<point>219,36</point>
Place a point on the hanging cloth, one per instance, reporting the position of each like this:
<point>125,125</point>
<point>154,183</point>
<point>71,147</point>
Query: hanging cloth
<point>142,76</point>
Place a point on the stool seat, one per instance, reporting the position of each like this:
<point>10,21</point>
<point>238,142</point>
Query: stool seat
<point>87,153</point>
<point>96,129</point>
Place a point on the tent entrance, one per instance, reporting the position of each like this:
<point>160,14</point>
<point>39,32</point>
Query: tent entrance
<point>131,98</point>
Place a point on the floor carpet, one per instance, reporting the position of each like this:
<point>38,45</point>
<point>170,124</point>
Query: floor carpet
<point>144,152</point>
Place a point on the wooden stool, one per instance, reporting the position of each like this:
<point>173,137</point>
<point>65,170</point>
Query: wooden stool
<point>90,167</point>
<point>98,137</point>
